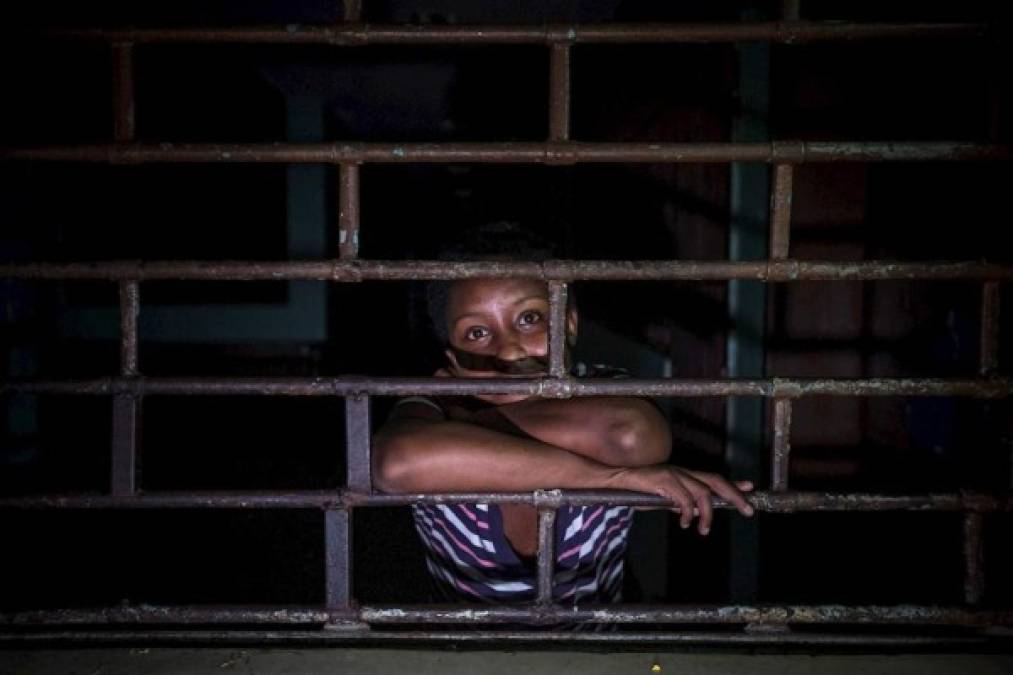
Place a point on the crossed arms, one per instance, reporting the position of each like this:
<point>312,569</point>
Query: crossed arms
<point>582,443</point>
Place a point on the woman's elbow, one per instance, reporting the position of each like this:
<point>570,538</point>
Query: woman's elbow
<point>641,440</point>
<point>391,465</point>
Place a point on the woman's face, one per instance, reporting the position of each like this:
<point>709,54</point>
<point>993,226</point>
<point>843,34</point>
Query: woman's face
<point>500,326</point>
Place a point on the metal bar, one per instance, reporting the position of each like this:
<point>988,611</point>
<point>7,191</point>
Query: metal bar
<point>338,559</point>
<point>302,637</point>
<point>791,10</point>
<point>557,328</point>
<point>130,308</point>
<point>974,558</point>
<point>357,435</point>
<point>125,432</point>
<point>626,614</point>
<point>993,387</point>
<point>559,92</point>
<point>124,123</point>
<point>772,502</point>
<point>352,11</point>
<point>785,32</point>
<point>782,445</point>
<point>555,270</point>
<point>546,554</point>
<point>126,409</point>
<point>552,152</point>
<point>989,349</point>
<point>348,212</point>
<point>780,211</point>
<point>734,614</point>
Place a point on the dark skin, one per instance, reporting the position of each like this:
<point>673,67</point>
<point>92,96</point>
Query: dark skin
<point>522,443</point>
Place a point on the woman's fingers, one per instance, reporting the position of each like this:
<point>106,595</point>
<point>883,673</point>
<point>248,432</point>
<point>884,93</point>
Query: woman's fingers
<point>725,490</point>
<point>706,509</point>
<point>683,499</point>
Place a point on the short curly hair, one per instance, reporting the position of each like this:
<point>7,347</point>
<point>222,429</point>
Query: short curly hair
<point>498,241</point>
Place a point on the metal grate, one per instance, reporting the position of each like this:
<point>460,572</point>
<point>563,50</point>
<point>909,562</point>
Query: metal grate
<point>339,610</point>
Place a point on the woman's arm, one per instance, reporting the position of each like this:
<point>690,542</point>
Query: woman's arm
<point>418,452</point>
<point>621,432</point>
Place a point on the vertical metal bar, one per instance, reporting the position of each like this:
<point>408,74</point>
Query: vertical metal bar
<point>780,211</point>
<point>348,211</point>
<point>129,310</point>
<point>559,92</point>
<point>338,559</point>
<point>357,435</point>
<point>974,558</point>
<point>557,328</point>
<point>352,11</point>
<point>791,10</point>
<point>124,128</point>
<point>126,429</point>
<point>782,444</point>
<point>126,407</point>
<point>748,238</point>
<point>561,182</point>
<point>546,553</point>
<point>989,351</point>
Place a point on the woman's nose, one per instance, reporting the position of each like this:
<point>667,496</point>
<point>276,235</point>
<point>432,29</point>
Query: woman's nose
<point>511,349</point>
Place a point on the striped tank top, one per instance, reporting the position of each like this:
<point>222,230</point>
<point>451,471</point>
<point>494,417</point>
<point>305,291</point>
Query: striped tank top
<point>469,557</point>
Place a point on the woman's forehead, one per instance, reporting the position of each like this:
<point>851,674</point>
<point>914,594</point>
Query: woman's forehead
<point>474,292</point>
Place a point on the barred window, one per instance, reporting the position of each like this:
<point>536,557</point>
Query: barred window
<point>787,227</point>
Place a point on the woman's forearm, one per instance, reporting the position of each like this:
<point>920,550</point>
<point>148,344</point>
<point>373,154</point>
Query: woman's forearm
<point>414,455</point>
<point>621,432</point>
<point>417,455</point>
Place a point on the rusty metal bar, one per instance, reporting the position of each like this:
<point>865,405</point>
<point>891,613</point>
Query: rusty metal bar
<point>552,152</point>
<point>773,615</point>
<point>774,271</point>
<point>782,445</point>
<point>126,406</point>
<point>348,211</point>
<point>124,123</point>
<point>125,433</point>
<point>338,558</point>
<point>130,308</point>
<point>324,637</point>
<point>780,211</point>
<point>352,11</point>
<point>735,614</point>
<point>791,10</point>
<point>357,435</point>
<point>992,387</point>
<point>974,558</point>
<point>772,502</point>
<point>989,349</point>
<point>784,32</point>
<point>546,553</point>
<point>559,92</point>
<point>557,328</point>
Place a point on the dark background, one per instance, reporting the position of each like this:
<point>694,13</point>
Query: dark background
<point>60,93</point>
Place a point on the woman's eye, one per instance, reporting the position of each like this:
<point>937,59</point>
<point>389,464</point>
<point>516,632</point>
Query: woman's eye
<point>474,333</point>
<point>531,317</point>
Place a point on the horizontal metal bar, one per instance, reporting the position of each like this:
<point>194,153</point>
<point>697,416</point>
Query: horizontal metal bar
<point>554,270</point>
<point>775,615</point>
<point>772,502</point>
<point>771,615</point>
<point>313,637</point>
<point>350,385</point>
<point>785,32</point>
<point>550,152</point>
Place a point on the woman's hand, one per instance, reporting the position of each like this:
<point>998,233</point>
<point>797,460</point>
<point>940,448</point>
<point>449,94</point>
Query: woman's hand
<point>690,491</point>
